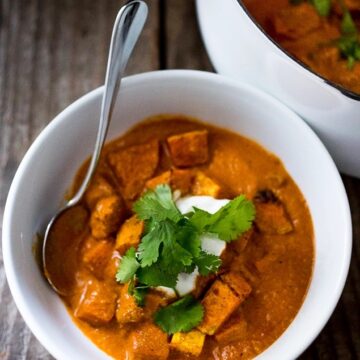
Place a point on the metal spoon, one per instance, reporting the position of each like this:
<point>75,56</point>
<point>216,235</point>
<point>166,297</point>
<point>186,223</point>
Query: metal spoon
<point>55,258</point>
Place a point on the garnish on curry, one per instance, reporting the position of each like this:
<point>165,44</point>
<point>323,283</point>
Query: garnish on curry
<point>323,34</point>
<point>197,245</point>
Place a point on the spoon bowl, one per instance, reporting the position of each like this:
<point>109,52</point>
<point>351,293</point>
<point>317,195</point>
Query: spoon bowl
<point>59,273</point>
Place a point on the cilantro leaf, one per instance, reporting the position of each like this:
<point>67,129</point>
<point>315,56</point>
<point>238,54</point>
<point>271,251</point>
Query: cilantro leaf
<point>348,26</point>
<point>157,275</point>
<point>200,219</point>
<point>157,205</point>
<point>348,43</point>
<point>188,237</point>
<point>150,244</point>
<point>182,315</point>
<point>138,292</point>
<point>127,267</point>
<point>189,269</point>
<point>139,295</point>
<point>233,219</point>
<point>349,47</point>
<point>207,263</point>
<point>229,222</point>
<point>175,256</point>
<point>322,7</point>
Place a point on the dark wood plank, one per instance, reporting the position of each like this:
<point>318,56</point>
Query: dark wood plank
<point>183,45</point>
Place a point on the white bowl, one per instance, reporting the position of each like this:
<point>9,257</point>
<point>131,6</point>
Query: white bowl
<point>49,166</point>
<point>239,48</point>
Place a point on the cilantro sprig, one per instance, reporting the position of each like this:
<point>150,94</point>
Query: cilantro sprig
<point>182,315</point>
<point>157,205</point>
<point>229,222</point>
<point>323,7</point>
<point>171,245</point>
<point>138,292</point>
<point>348,43</point>
<point>129,266</point>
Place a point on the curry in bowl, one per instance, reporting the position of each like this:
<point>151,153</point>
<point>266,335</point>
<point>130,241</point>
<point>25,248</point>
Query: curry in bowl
<point>323,34</point>
<point>191,242</point>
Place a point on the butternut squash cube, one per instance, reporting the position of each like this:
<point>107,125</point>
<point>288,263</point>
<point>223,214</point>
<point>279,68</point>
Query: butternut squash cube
<point>112,266</point>
<point>233,330</point>
<point>98,189</point>
<point>154,300</point>
<point>263,264</point>
<point>127,310</point>
<point>141,160</point>
<point>295,22</point>
<point>203,283</point>
<point>107,216</point>
<point>191,342</point>
<point>181,179</point>
<point>97,257</point>
<point>189,149</point>
<point>204,185</point>
<point>96,304</point>
<point>161,179</point>
<point>271,218</point>
<point>239,245</point>
<point>129,234</point>
<point>237,283</point>
<point>178,179</point>
<point>219,303</point>
<point>147,342</point>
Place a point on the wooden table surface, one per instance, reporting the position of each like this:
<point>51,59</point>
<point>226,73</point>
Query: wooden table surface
<point>52,52</point>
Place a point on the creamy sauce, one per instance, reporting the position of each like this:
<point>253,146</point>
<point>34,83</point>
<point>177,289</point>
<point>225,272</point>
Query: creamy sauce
<point>278,267</point>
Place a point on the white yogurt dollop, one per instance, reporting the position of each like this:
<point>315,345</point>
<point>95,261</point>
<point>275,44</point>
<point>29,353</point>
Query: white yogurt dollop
<point>209,243</point>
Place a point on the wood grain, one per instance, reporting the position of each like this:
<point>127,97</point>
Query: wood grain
<point>52,52</point>
<point>184,48</point>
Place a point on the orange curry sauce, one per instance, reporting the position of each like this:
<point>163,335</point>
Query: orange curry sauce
<point>275,258</point>
<point>311,38</point>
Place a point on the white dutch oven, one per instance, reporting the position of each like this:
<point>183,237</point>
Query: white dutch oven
<point>238,47</point>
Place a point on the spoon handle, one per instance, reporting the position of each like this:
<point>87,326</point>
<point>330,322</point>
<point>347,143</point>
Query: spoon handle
<point>127,28</point>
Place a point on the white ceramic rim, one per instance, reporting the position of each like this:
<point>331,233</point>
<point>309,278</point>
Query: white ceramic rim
<point>131,81</point>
